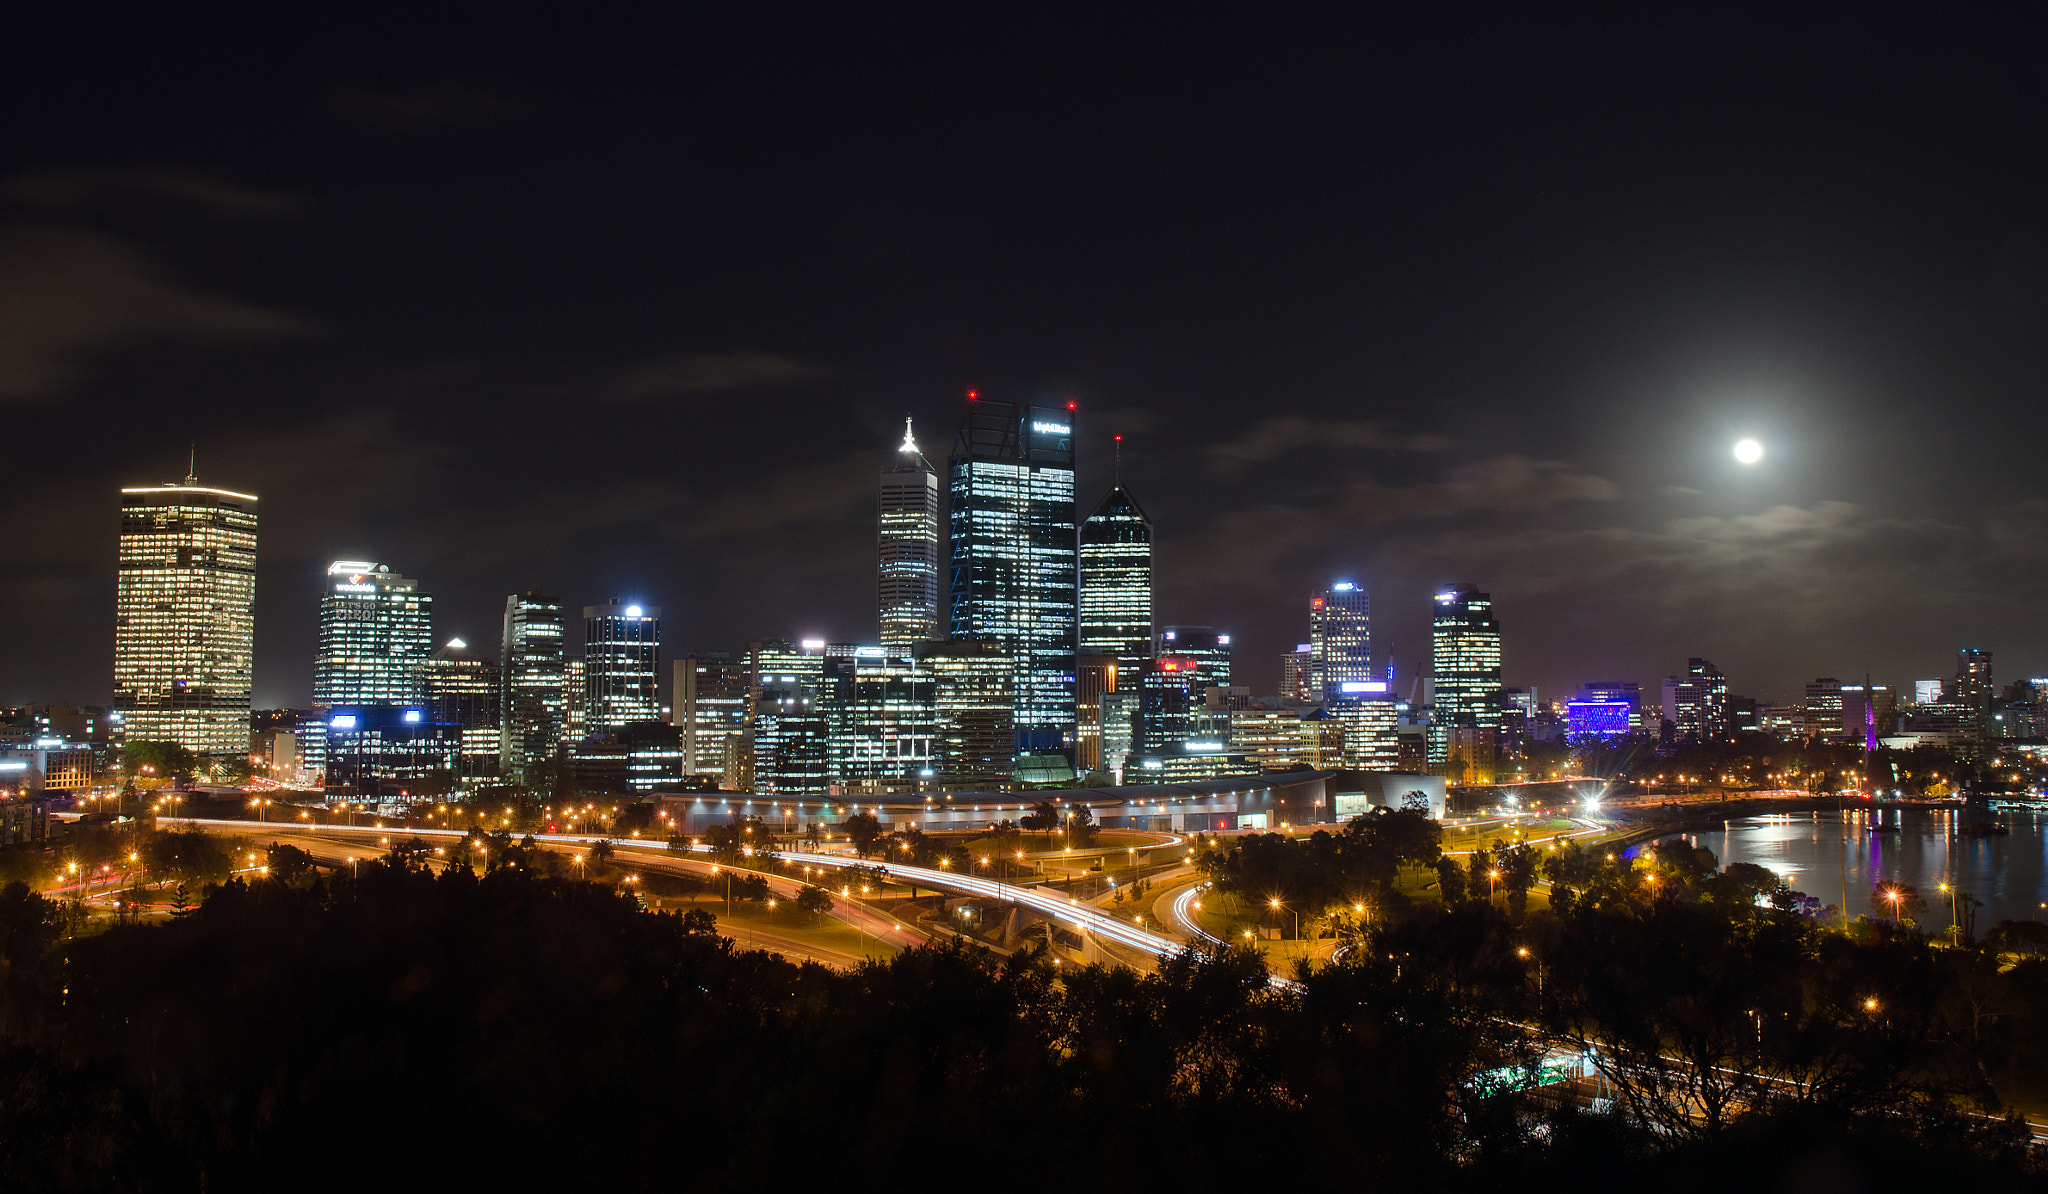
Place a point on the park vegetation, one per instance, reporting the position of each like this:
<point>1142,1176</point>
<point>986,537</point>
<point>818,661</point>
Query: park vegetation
<point>499,1026</point>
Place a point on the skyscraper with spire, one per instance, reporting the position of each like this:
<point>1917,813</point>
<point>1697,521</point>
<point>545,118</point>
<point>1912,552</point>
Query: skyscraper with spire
<point>1116,581</point>
<point>184,615</point>
<point>909,549</point>
<point>1013,580</point>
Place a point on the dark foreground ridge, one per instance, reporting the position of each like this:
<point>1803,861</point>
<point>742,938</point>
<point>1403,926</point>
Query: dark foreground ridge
<point>399,1028</point>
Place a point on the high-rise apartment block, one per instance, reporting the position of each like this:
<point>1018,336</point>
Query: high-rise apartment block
<point>1973,687</point>
<point>909,549</point>
<point>1339,638</point>
<point>184,616</point>
<point>534,682</point>
<point>1116,582</point>
<point>621,665</point>
<point>1013,563</point>
<point>1465,667</point>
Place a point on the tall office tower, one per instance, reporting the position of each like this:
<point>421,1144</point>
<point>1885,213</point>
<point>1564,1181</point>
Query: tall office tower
<point>1294,674</point>
<point>1372,725</point>
<point>977,732</point>
<point>1465,664</point>
<point>621,665</point>
<point>1339,639</point>
<point>1869,712</point>
<point>376,629</point>
<point>710,708</point>
<point>790,742</point>
<point>909,549</point>
<point>1169,697</point>
<point>184,616</point>
<point>533,705</point>
<point>773,661</point>
<point>1973,690</point>
<point>1201,644</point>
<point>884,722</point>
<point>1116,583</point>
<point>1822,708</point>
<point>467,689</point>
<point>1013,563</point>
<point>1095,676</point>
<point>1697,706</point>
<point>575,696</point>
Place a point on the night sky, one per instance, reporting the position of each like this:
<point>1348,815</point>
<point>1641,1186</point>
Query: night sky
<point>637,307</point>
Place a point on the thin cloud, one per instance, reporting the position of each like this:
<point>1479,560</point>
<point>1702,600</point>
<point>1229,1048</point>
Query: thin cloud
<point>435,107</point>
<point>706,373</point>
<point>67,293</point>
<point>1273,438</point>
<point>83,188</point>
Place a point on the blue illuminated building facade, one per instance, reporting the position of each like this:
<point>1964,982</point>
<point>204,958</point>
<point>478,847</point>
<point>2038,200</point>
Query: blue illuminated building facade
<point>1013,556</point>
<point>390,752</point>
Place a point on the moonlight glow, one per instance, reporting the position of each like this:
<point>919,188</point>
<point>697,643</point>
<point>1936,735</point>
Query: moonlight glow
<point>1748,451</point>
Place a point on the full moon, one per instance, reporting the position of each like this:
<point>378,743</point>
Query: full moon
<point>1748,451</point>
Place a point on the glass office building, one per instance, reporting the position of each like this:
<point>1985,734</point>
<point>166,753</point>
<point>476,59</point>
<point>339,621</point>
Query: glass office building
<point>977,736</point>
<point>1201,644</point>
<point>909,549</point>
<point>533,667</point>
<point>376,632</point>
<point>621,665</point>
<point>1339,639</point>
<point>1465,666</point>
<point>184,616</point>
<point>1013,562</point>
<point>468,689</point>
<point>1116,583</point>
<point>709,698</point>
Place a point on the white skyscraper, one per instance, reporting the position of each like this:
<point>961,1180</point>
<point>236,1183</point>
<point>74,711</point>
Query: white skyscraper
<point>184,616</point>
<point>909,549</point>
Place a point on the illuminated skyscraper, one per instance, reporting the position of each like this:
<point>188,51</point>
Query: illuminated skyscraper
<point>976,730</point>
<point>1203,645</point>
<point>909,549</point>
<point>709,695</point>
<point>184,616</point>
<point>467,689</point>
<point>532,728</point>
<point>1116,583</point>
<point>1094,677</point>
<point>1973,689</point>
<point>1339,639</point>
<point>1294,674</point>
<point>1465,661</point>
<point>1698,705</point>
<point>621,665</point>
<point>376,630</point>
<point>1013,563</point>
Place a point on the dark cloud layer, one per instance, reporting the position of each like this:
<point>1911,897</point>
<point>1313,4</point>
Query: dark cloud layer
<point>1413,298</point>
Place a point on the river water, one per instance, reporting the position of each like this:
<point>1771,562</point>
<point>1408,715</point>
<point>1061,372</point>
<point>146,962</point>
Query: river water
<point>1806,850</point>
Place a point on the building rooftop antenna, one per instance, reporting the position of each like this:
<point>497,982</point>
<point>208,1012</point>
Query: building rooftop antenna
<point>909,443</point>
<point>1119,473</point>
<point>192,465</point>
